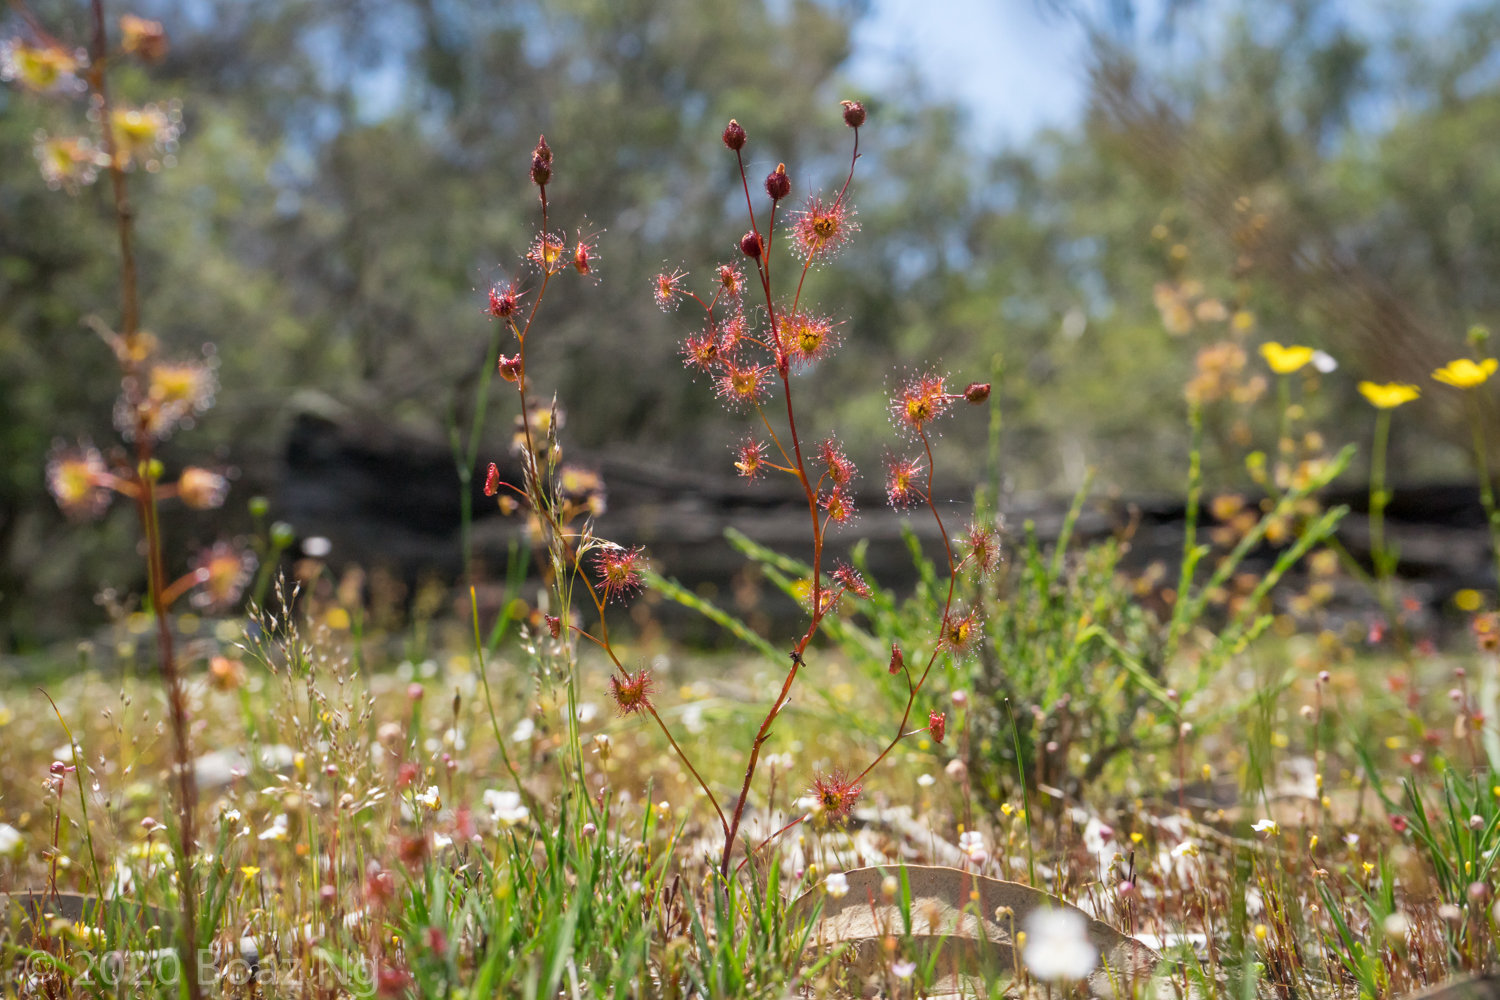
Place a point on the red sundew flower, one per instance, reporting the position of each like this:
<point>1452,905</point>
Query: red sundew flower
<point>937,725</point>
<point>1398,823</point>
<point>406,774</point>
<point>731,333</point>
<point>492,480</point>
<point>961,632</point>
<point>702,351</point>
<point>392,982</point>
<point>505,300</point>
<point>732,280</point>
<point>201,489</point>
<point>548,252</point>
<point>79,481</point>
<point>224,572</point>
<point>984,548</point>
<point>666,291</point>
<point>584,254</point>
<point>836,793</point>
<point>838,504</point>
<point>848,577</point>
<point>898,659</point>
<point>902,482</point>
<point>510,368</point>
<point>632,693</point>
<point>840,469</point>
<point>743,385</point>
<point>823,228</point>
<point>619,570</point>
<point>413,851</point>
<point>923,399</point>
<point>750,457</point>
<point>808,339</point>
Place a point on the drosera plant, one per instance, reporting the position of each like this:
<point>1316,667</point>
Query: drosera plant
<point>158,394</point>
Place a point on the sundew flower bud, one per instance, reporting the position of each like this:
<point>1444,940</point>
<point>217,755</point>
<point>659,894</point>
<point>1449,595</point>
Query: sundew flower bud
<point>849,578</point>
<point>808,339</point>
<point>541,163</point>
<point>743,385</point>
<point>778,184</point>
<point>619,570</point>
<point>584,254</point>
<point>143,38</point>
<point>750,244</point>
<point>201,489</point>
<point>665,289</point>
<point>505,299</point>
<point>554,626</point>
<point>898,659</point>
<point>734,135</point>
<point>902,482</point>
<point>632,692</point>
<point>854,113</point>
<point>79,481</point>
<point>976,392</point>
<point>836,793</point>
<point>750,457</point>
<point>510,368</point>
<point>492,480</point>
<point>923,398</point>
<point>937,726</point>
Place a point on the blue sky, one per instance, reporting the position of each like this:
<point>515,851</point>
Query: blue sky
<point>1017,67</point>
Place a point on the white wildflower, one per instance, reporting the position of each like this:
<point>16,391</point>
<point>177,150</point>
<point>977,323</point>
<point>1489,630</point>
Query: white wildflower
<point>837,885</point>
<point>1058,946</point>
<point>505,807</point>
<point>278,830</point>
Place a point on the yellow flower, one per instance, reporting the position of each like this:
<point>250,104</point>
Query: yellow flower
<point>1285,360</point>
<point>1388,396</point>
<point>1465,374</point>
<point>249,871</point>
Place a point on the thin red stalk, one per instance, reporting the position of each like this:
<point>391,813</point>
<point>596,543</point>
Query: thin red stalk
<point>689,765</point>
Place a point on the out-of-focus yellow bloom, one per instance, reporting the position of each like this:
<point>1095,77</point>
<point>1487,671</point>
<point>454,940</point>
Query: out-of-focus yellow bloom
<point>1285,360</point>
<point>1390,395</point>
<point>1466,374</point>
<point>249,871</point>
<point>42,68</point>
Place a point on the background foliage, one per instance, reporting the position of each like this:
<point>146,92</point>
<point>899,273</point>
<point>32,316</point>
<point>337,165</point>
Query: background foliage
<point>347,185</point>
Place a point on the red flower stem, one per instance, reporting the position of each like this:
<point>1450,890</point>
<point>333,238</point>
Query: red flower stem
<point>911,698</point>
<point>689,765</point>
<point>774,438</point>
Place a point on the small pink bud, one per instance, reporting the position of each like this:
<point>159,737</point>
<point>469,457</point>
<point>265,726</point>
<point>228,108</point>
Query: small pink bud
<point>854,113</point>
<point>492,480</point>
<point>1126,889</point>
<point>414,691</point>
<point>1478,892</point>
<point>898,660</point>
<point>734,135</point>
<point>960,698</point>
<point>554,626</point>
<point>331,770</point>
<point>1324,677</point>
<point>541,163</point>
<point>589,829</point>
<point>977,392</point>
<point>1106,833</point>
<point>510,368</point>
<point>750,245</point>
<point>937,725</point>
<point>328,895</point>
<point>1398,823</point>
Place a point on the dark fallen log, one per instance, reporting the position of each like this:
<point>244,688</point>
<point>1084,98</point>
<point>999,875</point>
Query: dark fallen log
<point>386,499</point>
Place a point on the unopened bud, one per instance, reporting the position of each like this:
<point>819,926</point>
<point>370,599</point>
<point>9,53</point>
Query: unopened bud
<point>492,480</point>
<point>778,184</point>
<point>328,895</point>
<point>510,368</point>
<point>589,829</point>
<point>977,392</point>
<point>854,113</point>
<point>554,626</point>
<point>415,691</point>
<point>937,725</point>
<point>1478,892</point>
<point>602,745</point>
<point>1126,889</point>
<point>541,163</point>
<point>960,698</point>
<point>734,135</point>
<point>898,660</point>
